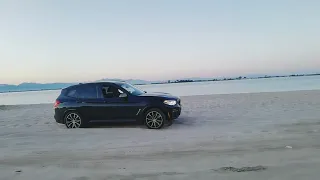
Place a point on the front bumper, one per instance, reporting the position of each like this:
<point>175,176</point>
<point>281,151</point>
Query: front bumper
<point>176,113</point>
<point>173,112</point>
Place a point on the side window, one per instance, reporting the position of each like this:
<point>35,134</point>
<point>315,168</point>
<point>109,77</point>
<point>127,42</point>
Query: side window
<point>110,91</point>
<point>72,93</point>
<point>87,92</point>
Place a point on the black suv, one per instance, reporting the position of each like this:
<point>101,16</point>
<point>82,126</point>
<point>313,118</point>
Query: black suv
<point>81,104</point>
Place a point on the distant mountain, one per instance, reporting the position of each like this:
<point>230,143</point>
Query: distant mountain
<point>132,81</point>
<point>32,87</point>
<point>52,86</point>
<point>197,79</point>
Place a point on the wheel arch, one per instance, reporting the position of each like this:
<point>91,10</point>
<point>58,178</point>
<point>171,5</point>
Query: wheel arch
<point>67,112</point>
<point>154,107</point>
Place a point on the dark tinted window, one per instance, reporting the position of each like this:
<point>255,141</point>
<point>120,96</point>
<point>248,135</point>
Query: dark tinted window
<point>110,91</point>
<point>87,92</point>
<point>132,89</point>
<point>72,93</point>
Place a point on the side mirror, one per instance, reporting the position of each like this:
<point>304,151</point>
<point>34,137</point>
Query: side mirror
<point>123,95</point>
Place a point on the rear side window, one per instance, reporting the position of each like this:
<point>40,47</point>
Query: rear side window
<point>87,92</point>
<point>72,93</point>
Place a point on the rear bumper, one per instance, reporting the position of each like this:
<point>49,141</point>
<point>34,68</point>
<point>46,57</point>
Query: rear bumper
<point>58,115</point>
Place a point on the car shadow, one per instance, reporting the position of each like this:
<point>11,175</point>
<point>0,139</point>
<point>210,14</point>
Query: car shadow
<point>181,121</point>
<point>115,125</point>
<point>184,121</point>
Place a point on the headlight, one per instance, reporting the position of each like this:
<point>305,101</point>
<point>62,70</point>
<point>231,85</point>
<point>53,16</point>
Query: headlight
<point>170,102</point>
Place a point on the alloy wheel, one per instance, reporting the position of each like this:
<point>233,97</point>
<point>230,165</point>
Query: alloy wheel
<point>154,119</point>
<point>73,120</point>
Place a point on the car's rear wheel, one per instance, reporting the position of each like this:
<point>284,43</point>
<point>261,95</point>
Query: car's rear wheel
<point>73,120</point>
<point>154,119</point>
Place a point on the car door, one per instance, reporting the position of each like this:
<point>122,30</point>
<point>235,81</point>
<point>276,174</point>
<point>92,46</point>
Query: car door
<point>123,108</point>
<point>90,105</point>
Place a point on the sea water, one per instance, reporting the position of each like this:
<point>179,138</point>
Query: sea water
<point>186,89</point>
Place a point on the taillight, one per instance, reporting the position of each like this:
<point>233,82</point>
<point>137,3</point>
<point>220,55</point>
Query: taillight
<point>56,104</point>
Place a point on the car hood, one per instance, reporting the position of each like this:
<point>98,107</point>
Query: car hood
<point>159,94</point>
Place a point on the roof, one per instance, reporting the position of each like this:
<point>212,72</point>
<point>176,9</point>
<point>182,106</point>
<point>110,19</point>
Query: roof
<point>98,82</point>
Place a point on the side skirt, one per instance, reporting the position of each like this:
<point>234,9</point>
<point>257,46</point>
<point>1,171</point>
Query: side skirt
<point>113,120</point>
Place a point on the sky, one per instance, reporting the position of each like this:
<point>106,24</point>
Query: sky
<point>70,41</point>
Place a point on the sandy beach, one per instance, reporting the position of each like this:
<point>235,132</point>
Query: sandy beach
<point>237,136</point>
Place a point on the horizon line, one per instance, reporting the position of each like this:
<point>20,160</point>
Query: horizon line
<point>189,78</point>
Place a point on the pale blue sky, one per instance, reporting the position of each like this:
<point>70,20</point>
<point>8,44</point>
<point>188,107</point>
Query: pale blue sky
<point>77,40</point>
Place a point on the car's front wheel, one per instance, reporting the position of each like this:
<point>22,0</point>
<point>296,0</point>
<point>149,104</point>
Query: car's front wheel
<point>154,119</point>
<point>73,120</point>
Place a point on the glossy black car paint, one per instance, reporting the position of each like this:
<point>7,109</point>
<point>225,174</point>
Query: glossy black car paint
<point>116,109</point>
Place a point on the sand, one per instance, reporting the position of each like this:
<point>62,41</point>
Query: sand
<point>238,136</point>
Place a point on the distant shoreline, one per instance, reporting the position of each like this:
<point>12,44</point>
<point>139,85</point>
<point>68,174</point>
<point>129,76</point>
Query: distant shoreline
<point>242,78</point>
<point>30,90</point>
<point>187,81</point>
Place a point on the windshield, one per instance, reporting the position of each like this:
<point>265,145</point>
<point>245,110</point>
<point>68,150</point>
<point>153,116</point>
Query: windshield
<point>132,89</point>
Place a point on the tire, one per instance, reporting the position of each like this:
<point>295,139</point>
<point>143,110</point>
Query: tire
<point>154,119</point>
<point>73,120</point>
